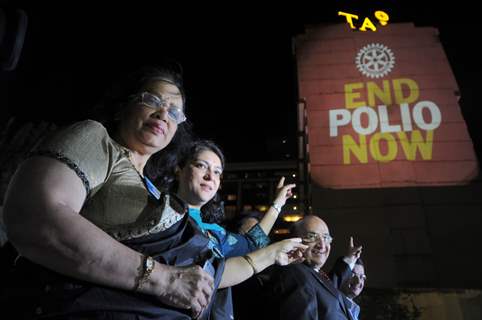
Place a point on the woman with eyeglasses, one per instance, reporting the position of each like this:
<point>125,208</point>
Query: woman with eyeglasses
<point>197,181</point>
<point>96,238</point>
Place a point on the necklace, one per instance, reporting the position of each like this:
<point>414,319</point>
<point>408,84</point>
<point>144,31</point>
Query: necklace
<point>151,188</point>
<point>129,156</point>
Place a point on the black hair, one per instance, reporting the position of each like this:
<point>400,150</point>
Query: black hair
<point>240,218</point>
<point>196,148</point>
<point>120,94</point>
<point>213,210</point>
<point>250,214</point>
<point>108,110</point>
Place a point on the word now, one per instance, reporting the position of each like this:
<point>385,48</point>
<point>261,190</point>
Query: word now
<point>409,146</point>
<point>367,23</point>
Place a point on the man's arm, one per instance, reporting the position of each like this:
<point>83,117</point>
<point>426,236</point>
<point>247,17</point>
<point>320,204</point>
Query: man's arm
<point>340,273</point>
<point>342,269</point>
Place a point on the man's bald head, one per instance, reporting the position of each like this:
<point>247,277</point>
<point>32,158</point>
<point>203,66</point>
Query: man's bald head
<point>314,232</point>
<point>301,227</point>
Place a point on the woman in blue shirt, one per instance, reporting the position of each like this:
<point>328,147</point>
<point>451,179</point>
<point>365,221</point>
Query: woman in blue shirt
<point>198,178</point>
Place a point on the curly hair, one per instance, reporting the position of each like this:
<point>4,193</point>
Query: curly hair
<point>213,210</point>
<point>117,98</point>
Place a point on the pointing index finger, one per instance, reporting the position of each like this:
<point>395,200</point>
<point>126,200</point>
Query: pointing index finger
<point>281,182</point>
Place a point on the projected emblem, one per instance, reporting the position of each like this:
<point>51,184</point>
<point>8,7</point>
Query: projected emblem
<point>372,123</point>
<point>375,60</point>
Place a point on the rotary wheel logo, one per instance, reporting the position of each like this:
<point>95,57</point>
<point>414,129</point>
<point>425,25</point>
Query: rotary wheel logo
<point>375,60</point>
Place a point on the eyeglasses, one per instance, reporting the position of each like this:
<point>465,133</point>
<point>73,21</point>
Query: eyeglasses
<point>313,237</point>
<point>157,102</point>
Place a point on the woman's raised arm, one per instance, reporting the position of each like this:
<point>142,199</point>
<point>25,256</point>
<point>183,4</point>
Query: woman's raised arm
<point>284,252</point>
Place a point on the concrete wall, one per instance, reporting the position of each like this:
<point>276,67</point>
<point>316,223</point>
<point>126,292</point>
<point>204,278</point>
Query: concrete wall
<point>412,237</point>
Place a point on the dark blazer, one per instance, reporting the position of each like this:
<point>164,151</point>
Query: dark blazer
<point>340,273</point>
<point>301,293</point>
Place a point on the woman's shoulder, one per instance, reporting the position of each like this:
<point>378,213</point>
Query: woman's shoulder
<point>85,147</point>
<point>89,123</point>
<point>81,135</point>
<point>87,127</point>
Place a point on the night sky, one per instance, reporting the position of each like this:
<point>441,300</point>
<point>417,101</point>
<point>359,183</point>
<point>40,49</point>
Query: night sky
<point>239,70</point>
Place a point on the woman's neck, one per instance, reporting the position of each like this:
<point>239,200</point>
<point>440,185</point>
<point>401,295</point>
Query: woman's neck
<point>194,207</point>
<point>182,196</point>
<point>138,160</point>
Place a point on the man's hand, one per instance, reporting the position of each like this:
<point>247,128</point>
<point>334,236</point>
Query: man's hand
<point>283,192</point>
<point>288,251</point>
<point>353,253</point>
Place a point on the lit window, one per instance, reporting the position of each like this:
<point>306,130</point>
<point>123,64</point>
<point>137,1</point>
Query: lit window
<point>292,218</point>
<point>281,231</point>
<point>262,208</point>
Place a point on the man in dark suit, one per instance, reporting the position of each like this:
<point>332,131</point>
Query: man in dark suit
<point>348,275</point>
<point>353,286</point>
<point>304,291</point>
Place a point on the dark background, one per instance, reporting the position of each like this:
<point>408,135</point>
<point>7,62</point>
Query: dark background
<point>241,85</point>
<point>239,69</point>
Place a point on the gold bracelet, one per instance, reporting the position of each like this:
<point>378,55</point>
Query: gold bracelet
<point>145,270</point>
<point>251,263</point>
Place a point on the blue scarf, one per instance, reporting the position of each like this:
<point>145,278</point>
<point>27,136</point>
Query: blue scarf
<point>196,215</point>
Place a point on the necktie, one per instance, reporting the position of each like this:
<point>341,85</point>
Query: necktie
<point>324,276</point>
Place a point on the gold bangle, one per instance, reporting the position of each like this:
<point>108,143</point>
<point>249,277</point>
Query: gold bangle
<point>145,270</point>
<point>251,263</point>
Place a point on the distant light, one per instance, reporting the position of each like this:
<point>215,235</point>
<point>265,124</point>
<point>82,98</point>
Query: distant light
<point>295,208</point>
<point>293,175</point>
<point>284,141</point>
<point>295,196</point>
<point>231,197</point>
<point>292,218</point>
<point>282,231</point>
<point>262,208</point>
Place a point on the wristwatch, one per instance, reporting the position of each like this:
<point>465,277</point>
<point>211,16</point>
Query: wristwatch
<point>147,267</point>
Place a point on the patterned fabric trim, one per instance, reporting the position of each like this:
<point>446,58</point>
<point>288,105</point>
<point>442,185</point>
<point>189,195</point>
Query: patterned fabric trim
<point>59,156</point>
<point>168,219</point>
<point>257,236</point>
<point>156,224</point>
